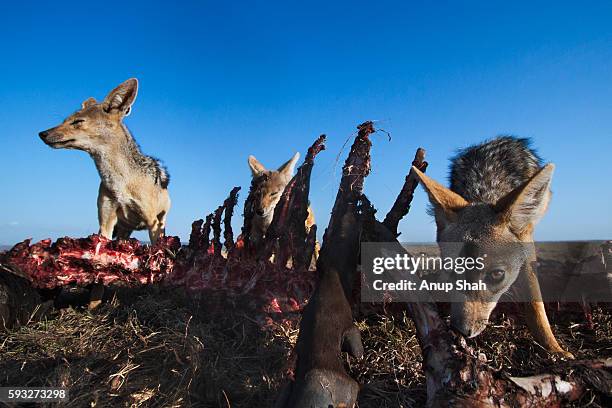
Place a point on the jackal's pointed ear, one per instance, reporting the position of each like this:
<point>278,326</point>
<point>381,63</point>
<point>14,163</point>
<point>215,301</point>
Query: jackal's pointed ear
<point>287,168</point>
<point>122,97</point>
<point>88,102</point>
<point>256,167</point>
<point>446,202</point>
<point>525,205</point>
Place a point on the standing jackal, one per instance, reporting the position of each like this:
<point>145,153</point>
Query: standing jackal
<point>499,190</point>
<point>269,195</point>
<point>133,192</point>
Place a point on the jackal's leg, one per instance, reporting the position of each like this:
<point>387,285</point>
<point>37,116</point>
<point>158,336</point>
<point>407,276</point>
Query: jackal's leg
<point>107,212</point>
<point>535,314</point>
<point>107,218</point>
<point>121,232</point>
<point>95,295</point>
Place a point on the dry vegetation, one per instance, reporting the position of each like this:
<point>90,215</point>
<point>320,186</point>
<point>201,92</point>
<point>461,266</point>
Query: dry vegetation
<point>219,346</point>
<point>160,348</point>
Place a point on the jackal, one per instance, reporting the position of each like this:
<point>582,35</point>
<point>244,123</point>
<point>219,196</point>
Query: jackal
<point>498,192</point>
<point>133,192</point>
<point>269,195</point>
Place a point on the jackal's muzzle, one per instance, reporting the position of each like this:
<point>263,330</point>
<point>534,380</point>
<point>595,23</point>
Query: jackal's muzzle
<point>53,138</point>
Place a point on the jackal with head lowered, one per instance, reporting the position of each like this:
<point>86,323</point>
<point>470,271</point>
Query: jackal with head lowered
<point>133,193</point>
<point>498,191</point>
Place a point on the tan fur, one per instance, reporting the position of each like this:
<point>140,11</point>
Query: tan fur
<point>507,225</point>
<point>310,220</point>
<point>132,193</point>
<point>270,194</point>
<point>447,199</point>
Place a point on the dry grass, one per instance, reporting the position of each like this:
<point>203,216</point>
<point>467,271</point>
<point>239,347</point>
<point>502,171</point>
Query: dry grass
<point>158,348</point>
<point>392,368</point>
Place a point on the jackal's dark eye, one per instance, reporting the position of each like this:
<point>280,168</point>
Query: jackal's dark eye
<point>496,275</point>
<point>274,193</point>
<point>77,122</point>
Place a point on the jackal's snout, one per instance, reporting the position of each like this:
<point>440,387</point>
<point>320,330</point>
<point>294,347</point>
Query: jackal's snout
<point>52,138</point>
<point>470,318</point>
<point>468,329</point>
<point>43,135</point>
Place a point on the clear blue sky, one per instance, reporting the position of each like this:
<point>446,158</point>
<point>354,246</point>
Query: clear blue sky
<point>222,80</point>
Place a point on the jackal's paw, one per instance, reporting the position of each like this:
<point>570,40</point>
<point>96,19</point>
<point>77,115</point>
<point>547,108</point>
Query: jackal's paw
<point>320,389</point>
<point>563,354</point>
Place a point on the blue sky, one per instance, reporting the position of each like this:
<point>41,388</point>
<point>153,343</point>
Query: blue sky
<point>222,80</point>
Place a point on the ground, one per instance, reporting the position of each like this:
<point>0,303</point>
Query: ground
<point>155,347</point>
